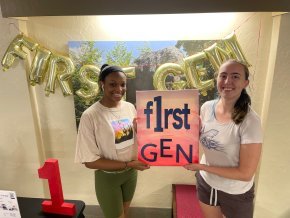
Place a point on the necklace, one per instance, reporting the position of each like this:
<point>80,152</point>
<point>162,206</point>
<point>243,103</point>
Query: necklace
<point>117,115</point>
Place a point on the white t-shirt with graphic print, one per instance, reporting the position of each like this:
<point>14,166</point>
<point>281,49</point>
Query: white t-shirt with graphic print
<point>221,144</point>
<point>106,133</point>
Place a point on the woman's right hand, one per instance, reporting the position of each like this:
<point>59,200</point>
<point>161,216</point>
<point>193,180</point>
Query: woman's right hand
<point>138,165</point>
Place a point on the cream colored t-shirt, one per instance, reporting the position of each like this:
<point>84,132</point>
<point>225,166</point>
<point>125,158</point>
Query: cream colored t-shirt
<point>106,133</point>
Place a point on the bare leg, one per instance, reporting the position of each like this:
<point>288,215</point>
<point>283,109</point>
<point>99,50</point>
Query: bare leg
<point>211,211</point>
<point>122,216</point>
<point>126,206</point>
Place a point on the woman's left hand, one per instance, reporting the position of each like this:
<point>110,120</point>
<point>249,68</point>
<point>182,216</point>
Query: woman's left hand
<point>193,166</point>
<point>138,165</point>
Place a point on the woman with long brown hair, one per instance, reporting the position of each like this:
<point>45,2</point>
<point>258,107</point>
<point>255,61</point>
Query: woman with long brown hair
<point>231,137</point>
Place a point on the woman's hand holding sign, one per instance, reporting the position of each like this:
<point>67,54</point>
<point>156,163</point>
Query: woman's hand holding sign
<point>138,165</point>
<point>193,166</point>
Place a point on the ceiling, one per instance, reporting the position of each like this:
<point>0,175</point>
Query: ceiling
<point>28,8</point>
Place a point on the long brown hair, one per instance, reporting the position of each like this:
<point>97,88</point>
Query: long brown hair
<point>242,105</point>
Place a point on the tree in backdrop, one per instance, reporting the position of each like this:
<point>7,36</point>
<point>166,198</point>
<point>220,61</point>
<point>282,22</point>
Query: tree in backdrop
<point>119,56</point>
<point>87,54</point>
<point>145,49</point>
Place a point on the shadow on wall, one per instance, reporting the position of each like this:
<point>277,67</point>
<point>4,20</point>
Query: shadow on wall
<point>286,214</point>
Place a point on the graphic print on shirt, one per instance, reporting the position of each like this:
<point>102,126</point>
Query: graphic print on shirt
<point>207,140</point>
<point>123,133</point>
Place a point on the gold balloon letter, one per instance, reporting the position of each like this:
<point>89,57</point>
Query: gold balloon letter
<point>216,55</point>
<point>163,71</point>
<point>130,72</point>
<point>15,50</point>
<point>235,48</point>
<point>60,68</point>
<point>39,65</point>
<point>193,72</point>
<point>90,87</point>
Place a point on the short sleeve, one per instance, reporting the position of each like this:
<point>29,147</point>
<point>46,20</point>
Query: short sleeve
<point>251,129</point>
<point>86,147</point>
<point>206,111</point>
<point>134,110</point>
<point>202,108</point>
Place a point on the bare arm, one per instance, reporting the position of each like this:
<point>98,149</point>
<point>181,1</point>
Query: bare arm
<point>135,124</point>
<point>114,165</point>
<point>249,159</point>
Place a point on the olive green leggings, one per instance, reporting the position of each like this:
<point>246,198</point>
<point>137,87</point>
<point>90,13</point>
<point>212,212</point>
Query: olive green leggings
<point>113,189</point>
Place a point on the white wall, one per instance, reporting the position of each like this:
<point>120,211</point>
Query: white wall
<point>19,152</point>
<point>56,113</point>
<point>274,187</point>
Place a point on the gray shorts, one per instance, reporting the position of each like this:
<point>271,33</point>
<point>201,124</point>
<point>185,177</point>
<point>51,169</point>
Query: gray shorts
<point>232,206</point>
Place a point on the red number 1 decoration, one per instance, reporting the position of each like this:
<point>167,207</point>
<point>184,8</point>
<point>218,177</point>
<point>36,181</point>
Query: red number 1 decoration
<point>50,171</point>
